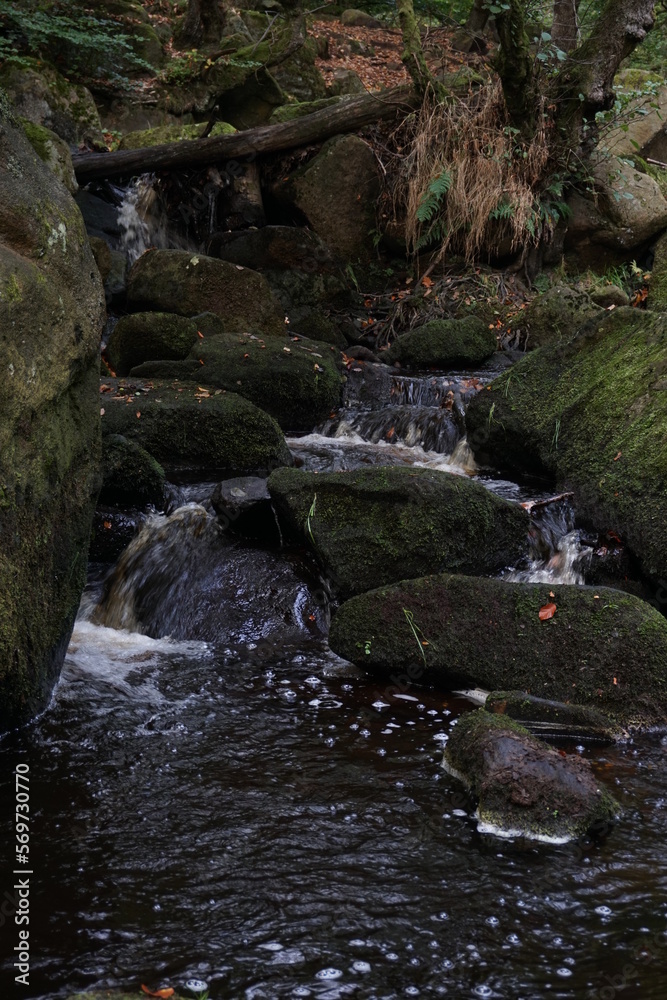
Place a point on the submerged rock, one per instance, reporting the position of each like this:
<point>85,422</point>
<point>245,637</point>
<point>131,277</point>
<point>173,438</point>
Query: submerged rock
<point>553,719</point>
<point>592,414</point>
<point>177,281</point>
<point>296,381</point>
<point>379,525</point>
<point>602,648</point>
<point>443,343</point>
<point>188,427</point>
<point>51,316</point>
<point>525,788</point>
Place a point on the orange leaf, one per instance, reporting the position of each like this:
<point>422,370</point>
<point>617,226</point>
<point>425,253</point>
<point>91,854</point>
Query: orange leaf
<point>616,457</point>
<point>548,611</point>
<point>138,414</point>
<point>164,993</point>
<point>427,282</point>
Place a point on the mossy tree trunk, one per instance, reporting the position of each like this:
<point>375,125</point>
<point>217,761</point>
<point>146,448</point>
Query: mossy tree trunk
<point>514,64</point>
<point>565,25</point>
<point>413,53</point>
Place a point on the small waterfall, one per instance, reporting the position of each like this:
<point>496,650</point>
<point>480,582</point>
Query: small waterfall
<point>558,554</point>
<point>431,428</point>
<point>142,218</point>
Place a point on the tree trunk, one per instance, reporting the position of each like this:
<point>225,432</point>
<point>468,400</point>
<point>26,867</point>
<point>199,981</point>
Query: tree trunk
<point>413,53</point>
<point>204,22</point>
<point>565,27</point>
<point>346,116</point>
<point>478,17</point>
<point>514,65</point>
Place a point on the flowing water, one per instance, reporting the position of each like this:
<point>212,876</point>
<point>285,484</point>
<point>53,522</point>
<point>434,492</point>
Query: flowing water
<point>216,795</point>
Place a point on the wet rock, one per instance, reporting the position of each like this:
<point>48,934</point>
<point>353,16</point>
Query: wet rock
<point>113,530</point>
<point>51,315</point>
<point>243,506</point>
<point>336,193</point>
<point>443,343</point>
<point>39,93</point>
<point>186,427</point>
<point>53,151</point>
<point>610,295</point>
<point>154,336</point>
<point>602,648</point>
<point>525,788</point>
<point>557,315</point>
<point>553,720</point>
<point>100,216</point>
<point>657,296</point>
<point>591,414</point>
<point>296,381</point>
<point>130,476</point>
<point>102,255</point>
<point>375,526</point>
<point>360,353</point>
<point>181,282</point>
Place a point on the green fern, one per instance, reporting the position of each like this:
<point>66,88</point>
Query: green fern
<point>431,202</point>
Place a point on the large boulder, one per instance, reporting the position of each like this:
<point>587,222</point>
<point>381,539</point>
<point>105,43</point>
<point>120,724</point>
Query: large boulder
<point>299,77</point>
<point>379,525</point>
<point>149,336</point>
<point>191,428</point>
<point>336,193</point>
<point>443,343</point>
<point>51,316</point>
<point>556,315</point>
<point>130,476</point>
<point>42,95</point>
<point>178,281</point>
<point>644,131</point>
<point>53,151</point>
<point>296,381</point>
<point>525,788</point>
<point>601,647</point>
<point>592,414</point>
<point>657,296</point>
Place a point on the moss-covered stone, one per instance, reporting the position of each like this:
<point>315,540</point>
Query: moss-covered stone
<point>42,95</point>
<point>51,312</point>
<point>130,476</point>
<point>143,337</point>
<point>53,152</point>
<point>557,315</point>
<point>443,343</point>
<point>171,133</point>
<point>378,525</point>
<point>602,647</point>
<point>290,112</point>
<point>657,296</point>
<point>524,787</point>
<point>102,255</point>
<point>296,381</point>
<point>592,414</point>
<point>181,282</point>
<point>189,427</point>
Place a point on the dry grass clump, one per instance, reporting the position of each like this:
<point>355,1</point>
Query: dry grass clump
<point>469,182</point>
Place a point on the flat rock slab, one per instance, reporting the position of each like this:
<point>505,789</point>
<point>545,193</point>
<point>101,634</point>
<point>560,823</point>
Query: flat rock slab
<point>187,426</point>
<point>601,648</point>
<point>524,787</point>
<point>383,524</point>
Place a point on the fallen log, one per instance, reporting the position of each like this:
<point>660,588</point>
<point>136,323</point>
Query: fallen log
<point>347,116</point>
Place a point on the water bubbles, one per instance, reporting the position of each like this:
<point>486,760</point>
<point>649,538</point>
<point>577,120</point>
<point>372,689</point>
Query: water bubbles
<point>563,972</point>
<point>604,911</point>
<point>391,956</point>
<point>386,732</point>
<point>380,705</point>
<point>459,812</point>
<point>361,966</point>
<point>196,985</point>
<point>483,991</point>
<point>492,921</point>
<point>440,737</point>
<point>513,939</point>
<point>301,991</point>
<point>328,974</point>
<point>411,991</point>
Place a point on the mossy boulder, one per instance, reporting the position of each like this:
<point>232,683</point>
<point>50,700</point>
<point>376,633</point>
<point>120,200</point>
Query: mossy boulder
<point>296,381</point>
<point>591,414</point>
<point>51,316</point>
<point>191,428</point>
<point>102,254</point>
<point>601,648</point>
<point>379,525</point>
<point>298,76</point>
<point>53,151</point>
<point>557,315</point>
<point>336,193</point>
<point>185,283</point>
<point>657,296</point>
<point>442,343</point>
<point>150,336</point>
<point>130,476</point>
<point>299,109</point>
<point>525,788</point>
<point>171,133</point>
<point>42,95</point>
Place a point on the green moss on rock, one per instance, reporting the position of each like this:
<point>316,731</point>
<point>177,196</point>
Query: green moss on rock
<point>592,414</point>
<point>143,337</point>
<point>524,787</point>
<point>443,343</point>
<point>296,381</point>
<point>171,133</point>
<point>378,525</point>
<point>130,476</point>
<point>290,112</point>
<point>603,648</point>
<point>186,427</point>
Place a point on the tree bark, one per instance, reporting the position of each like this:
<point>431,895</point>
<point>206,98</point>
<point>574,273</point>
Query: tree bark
<point>413,53</point>
<point>565,26</point>
<point>514,65</point>
<point>204,22</point>
<point>346,116</point>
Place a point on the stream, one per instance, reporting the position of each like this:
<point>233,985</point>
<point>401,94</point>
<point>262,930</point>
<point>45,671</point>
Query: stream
<point>227,800</point>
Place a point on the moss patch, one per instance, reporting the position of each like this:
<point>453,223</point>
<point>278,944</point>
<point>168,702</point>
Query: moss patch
<point>443,343</point>
<point>171,133</point>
